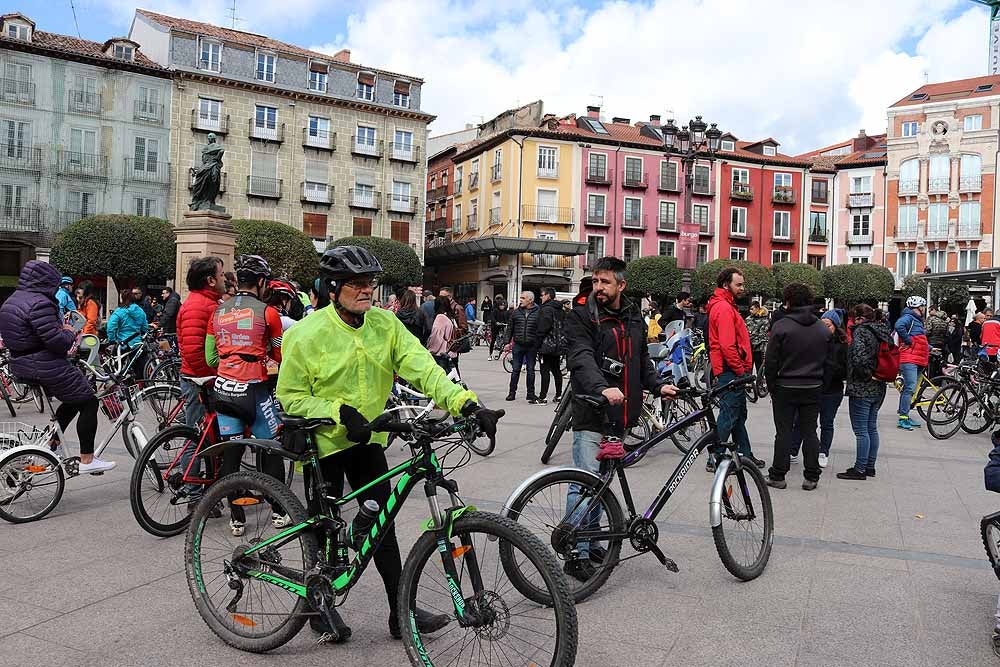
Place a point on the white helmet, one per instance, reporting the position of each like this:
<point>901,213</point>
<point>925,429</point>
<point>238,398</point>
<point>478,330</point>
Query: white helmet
<point>916,302</point>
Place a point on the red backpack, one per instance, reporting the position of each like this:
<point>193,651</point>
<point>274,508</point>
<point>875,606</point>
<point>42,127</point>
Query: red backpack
<point>887,367</point>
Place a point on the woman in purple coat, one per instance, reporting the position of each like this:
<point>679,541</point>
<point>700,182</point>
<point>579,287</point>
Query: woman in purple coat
<point>38,343</point>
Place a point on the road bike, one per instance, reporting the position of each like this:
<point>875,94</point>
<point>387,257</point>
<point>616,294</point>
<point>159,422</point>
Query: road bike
<point>970,401</point>
<point>256,592</point>
<point>506,357</point>
<point>569,507</point>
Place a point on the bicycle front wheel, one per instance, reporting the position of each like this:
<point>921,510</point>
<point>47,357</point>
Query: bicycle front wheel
<point>508,365</point>
<point>31,485</point>
<point>159,497</point>
<point>486,549</point>
<point>560,424</point>
<point>977,417</point>
<point>255,616</point>
<point>744,537</point>
<point>946,411</point>
<point>922,401</point>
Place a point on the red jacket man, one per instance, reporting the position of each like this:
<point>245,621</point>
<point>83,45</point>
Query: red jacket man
<point>728,338</point>
<point>991,335</point>
<point>207,283</point>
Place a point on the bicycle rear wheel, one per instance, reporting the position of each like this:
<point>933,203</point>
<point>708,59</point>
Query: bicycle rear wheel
<point>946,412</point>
<point>159,497</point>
<point>922,401</point>
<point>156,407</point>
<point>977,416</point>
<point>677,409</point>
<point>745,545</point>
<point>636,437</point>
<point>560,424</point>
<point>487,551</point>
<point>31,485</point>
<point>266,616</point>
<point>508,365</point>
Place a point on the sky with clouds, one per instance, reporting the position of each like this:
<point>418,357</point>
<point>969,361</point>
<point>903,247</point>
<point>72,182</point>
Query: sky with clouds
<point>807,72</point>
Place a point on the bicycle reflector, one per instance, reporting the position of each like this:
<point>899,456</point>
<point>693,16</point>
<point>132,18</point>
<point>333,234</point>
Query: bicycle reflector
<point>244,621</point>
<point>246,501</point>
<point>458,552</point>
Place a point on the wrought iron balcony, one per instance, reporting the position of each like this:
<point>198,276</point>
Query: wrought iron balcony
<point>275,135</point>
<point>263,187</point>
<point>551,171</point>
<point>969,231</point>
<point>970,184</point>
<point>936,232</point>
<point>860,200</point>
<point>16,91</point>
<point>223,181</point>
<point>552,215</point>
<point>362,147</point>
<point>494,216</point>
<point>403,204</point>
<point>404,152</point>
<point>635,181</point>
<point>938,186</point>
<point>599,176</point>
<point>597,218</point>
<point>909,187</point>
<point>147,171</point>
<point>64,219</point>
<point>206,123</point>
<point>365,199</point>
<point>669,184</point>
<point>666,223</point>
<point>20,157</point>
<point>707,228</point>
<point>83,101</point>
<point>321,140</point>
<point>24,219</point>
<point>783,236</point>
<point>496,173</point>
<point>741,191</point>
<point>783,194</point>
<point>818,236</point>
<point>861,237</point>
<point>84,165</point>
<point>210,64</point>
<point>147,112</point>
<point>472,221</point>
<point>473,181</point>
<point>438,193</point>
<point>634,221</point>
<point>317,193</point>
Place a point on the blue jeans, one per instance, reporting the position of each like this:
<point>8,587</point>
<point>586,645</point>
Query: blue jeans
<point>522,355</point>
<point>586,445</point>
<point>194,412</point>
<point>864,422</point>
<point>732,420</point>
<point>829,404</point>
<point>909,373</point>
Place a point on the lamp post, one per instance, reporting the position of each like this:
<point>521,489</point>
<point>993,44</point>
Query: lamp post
<point>692,142</point>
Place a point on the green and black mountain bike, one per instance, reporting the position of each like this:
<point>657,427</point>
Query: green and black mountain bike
<point>257,591</point>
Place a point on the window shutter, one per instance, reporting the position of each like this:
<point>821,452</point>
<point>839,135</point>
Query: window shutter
<point>314,225</point>
<point>400,231</point>
<point>365,178</point>
<point>362,227</point>
<point>315,66</point>
<point>316,171</point>
<point>264,165</point>
<point>367,78</point>
<point>402,87</point>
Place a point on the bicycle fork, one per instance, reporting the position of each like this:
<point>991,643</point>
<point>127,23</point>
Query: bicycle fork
<point>719,501</point>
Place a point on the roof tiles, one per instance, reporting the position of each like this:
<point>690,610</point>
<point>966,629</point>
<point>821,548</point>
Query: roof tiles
<point>951,90</point>
<point>75,46</point>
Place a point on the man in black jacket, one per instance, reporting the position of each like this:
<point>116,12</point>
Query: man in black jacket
<point>550,320</point>
<point>522,332</point>
<point>793,366</point>
<point>678,311</point>
<point>606,339</point>
<point>171,306</point>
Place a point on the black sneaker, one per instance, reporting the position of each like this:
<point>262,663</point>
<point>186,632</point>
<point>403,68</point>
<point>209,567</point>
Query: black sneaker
<point>776,483</point>
<point>853,474</point>
<point>557,398</point>
<point>869,472</point>
<point>754,460</point>
<point>510,397</point>
<point>581,570</point>
<point>809,484</point>
<point>427,623</point>
<point>541,401</point>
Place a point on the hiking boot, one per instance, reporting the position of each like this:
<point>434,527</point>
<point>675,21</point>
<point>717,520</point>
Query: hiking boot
<point>777,483</point>
<point>809,484</point>
<point>579,569</point>
<point>852,473</point>
<point>904,423</point>
<point>427,623</point>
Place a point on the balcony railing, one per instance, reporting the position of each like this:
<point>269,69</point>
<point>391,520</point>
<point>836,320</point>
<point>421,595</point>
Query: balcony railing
<point>496,173</point>
<point>24,219</point>
<point>597,218</point>
<point>472,221</point>
<point>263,187</point>
<point>66,218</point>
<point>970,184</point>
<point>634,180</point>
<point>550,171</point>
<point>88,165</point>
<point>317,193</point>
<point>818,198</point>
<point>147,112</point>
<point>321,140</point>
<point>20,157</point>
<point>669,184</point>
<point>553,215</point>
<point>783,194</point>
<point>365,148</point>
<point>206,123</point>
<point>146,171</point>
<point>403,204</point>
<point>634,221</point>
<point>741,191</point>
<point>779,235</point>
<point>818,236</point>
<point>970,231</point>
<point>495,216</point>
<point>82,101</point>
<point>404,152</point>
<point>860,200</point>
<point>909,187</point>
<point>937,186</point>
<point>16,91</point>
<point>936,232</point>
<point>738,234</point>
<point>435,194</point>
<point>907,232</point>
<point>367,199</point>
<point>473,180</point>
<point>666,223</point>
<point>703,189</point>
<point>707,228</point>
<point>223,181</point>
<point>599,176</point>
<point>274,134</point>
<point>861,237</point>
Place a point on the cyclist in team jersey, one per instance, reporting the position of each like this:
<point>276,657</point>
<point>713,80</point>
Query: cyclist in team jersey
<point>340,363</point>
<point>242,335</point>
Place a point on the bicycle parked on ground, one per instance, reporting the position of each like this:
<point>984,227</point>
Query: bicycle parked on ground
<point>256,592</point>
<point>970,401</point>
<point>930,379</point>
<point>565,507</point>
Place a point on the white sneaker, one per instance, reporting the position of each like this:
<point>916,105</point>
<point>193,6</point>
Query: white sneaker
<point>280,520</point>
<point>237,527</point>
<point>96,466</point>
<point>822,460</point>
<point>795,459</point>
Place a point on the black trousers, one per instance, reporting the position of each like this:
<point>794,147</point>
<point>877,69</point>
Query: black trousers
<point>786,403</point>
<point>550,365</point>
<point>86,425</point>
<point>361,464</point>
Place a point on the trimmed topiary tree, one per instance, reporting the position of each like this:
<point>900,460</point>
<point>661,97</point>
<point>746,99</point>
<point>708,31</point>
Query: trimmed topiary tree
<point>952,297</point>
<point>850,284</point>
<point>400,262</point>
<point>759,281</point>
<point>129,248</point>
<point>796,272</point>
<point>658,276</point>
<point>290,253</point>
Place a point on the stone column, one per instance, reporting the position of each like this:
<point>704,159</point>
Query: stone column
<point>203,233</point>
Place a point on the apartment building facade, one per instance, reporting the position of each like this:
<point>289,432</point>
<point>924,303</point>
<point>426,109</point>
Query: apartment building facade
<point>940,172</point>
<point>440,192</point>
<point>316,141</point>
<point>85,130</point>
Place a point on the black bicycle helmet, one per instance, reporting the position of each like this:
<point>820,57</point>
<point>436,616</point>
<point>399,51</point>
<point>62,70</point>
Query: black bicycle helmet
<point>347,261</point>
<point>251,267</point>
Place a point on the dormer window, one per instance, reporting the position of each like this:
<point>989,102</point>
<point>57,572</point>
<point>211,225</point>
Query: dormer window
<point>770,151</point>
<point>124,52</point>
<point>120,48</point>
<point>19,31</point>
<point>265,66</point>
<point>366,86</point>
<point>728,145</point>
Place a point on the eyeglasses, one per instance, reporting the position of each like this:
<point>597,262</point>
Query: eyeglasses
<point>362,283</point>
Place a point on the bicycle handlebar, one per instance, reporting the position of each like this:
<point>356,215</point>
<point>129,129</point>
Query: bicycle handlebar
<point>600,401</point>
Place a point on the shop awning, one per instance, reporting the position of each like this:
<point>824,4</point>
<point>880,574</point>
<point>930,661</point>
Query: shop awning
<point>503,245</point>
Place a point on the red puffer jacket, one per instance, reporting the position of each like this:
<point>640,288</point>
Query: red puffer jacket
<point>728,338</point>
<point>192,323</point>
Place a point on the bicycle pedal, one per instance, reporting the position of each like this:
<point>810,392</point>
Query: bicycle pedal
<point>671,565</point>
<point>71,466</point>
<point>329,638</point>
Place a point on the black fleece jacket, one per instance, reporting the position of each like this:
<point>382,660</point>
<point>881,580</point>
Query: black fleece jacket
<point>797,350</point>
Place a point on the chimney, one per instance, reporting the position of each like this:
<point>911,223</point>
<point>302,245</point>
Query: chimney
<point>594,112</point>
<point>861,142</point>
<point>342,56</point>
<point>623,121</point>
<point>654,120</point>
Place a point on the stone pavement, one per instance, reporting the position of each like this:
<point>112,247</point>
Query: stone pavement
<point>889,571</point>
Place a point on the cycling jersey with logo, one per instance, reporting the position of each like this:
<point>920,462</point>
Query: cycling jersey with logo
<point>246,332</point>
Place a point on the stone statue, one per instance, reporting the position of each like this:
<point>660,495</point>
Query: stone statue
<point>208,178</point>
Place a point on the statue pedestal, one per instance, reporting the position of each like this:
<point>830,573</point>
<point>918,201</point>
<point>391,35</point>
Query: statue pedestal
<point>200,234</point>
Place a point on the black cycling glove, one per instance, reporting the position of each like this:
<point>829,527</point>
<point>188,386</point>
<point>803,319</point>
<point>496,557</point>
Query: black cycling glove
<point>486,418</point>
<point>358,429</point>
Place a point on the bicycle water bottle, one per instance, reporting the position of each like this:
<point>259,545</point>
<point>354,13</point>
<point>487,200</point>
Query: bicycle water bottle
<point>362,523</point>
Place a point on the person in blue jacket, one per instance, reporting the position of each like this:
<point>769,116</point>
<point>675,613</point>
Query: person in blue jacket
<point>470,310</point>
<point>128,321</point>
<point>64,297</point>
<point>991,473</point>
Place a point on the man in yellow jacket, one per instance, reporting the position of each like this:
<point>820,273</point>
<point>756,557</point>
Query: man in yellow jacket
<point>340,363</point>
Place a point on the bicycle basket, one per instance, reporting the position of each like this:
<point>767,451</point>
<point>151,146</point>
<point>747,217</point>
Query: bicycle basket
<point>111,404</point>
<point>14,434</point>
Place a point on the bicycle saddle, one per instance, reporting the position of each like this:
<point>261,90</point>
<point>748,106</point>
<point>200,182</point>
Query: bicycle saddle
<point>305,423</point>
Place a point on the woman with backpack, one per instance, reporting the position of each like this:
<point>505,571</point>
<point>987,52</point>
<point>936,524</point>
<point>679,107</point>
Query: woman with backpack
<point>870,344</point>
